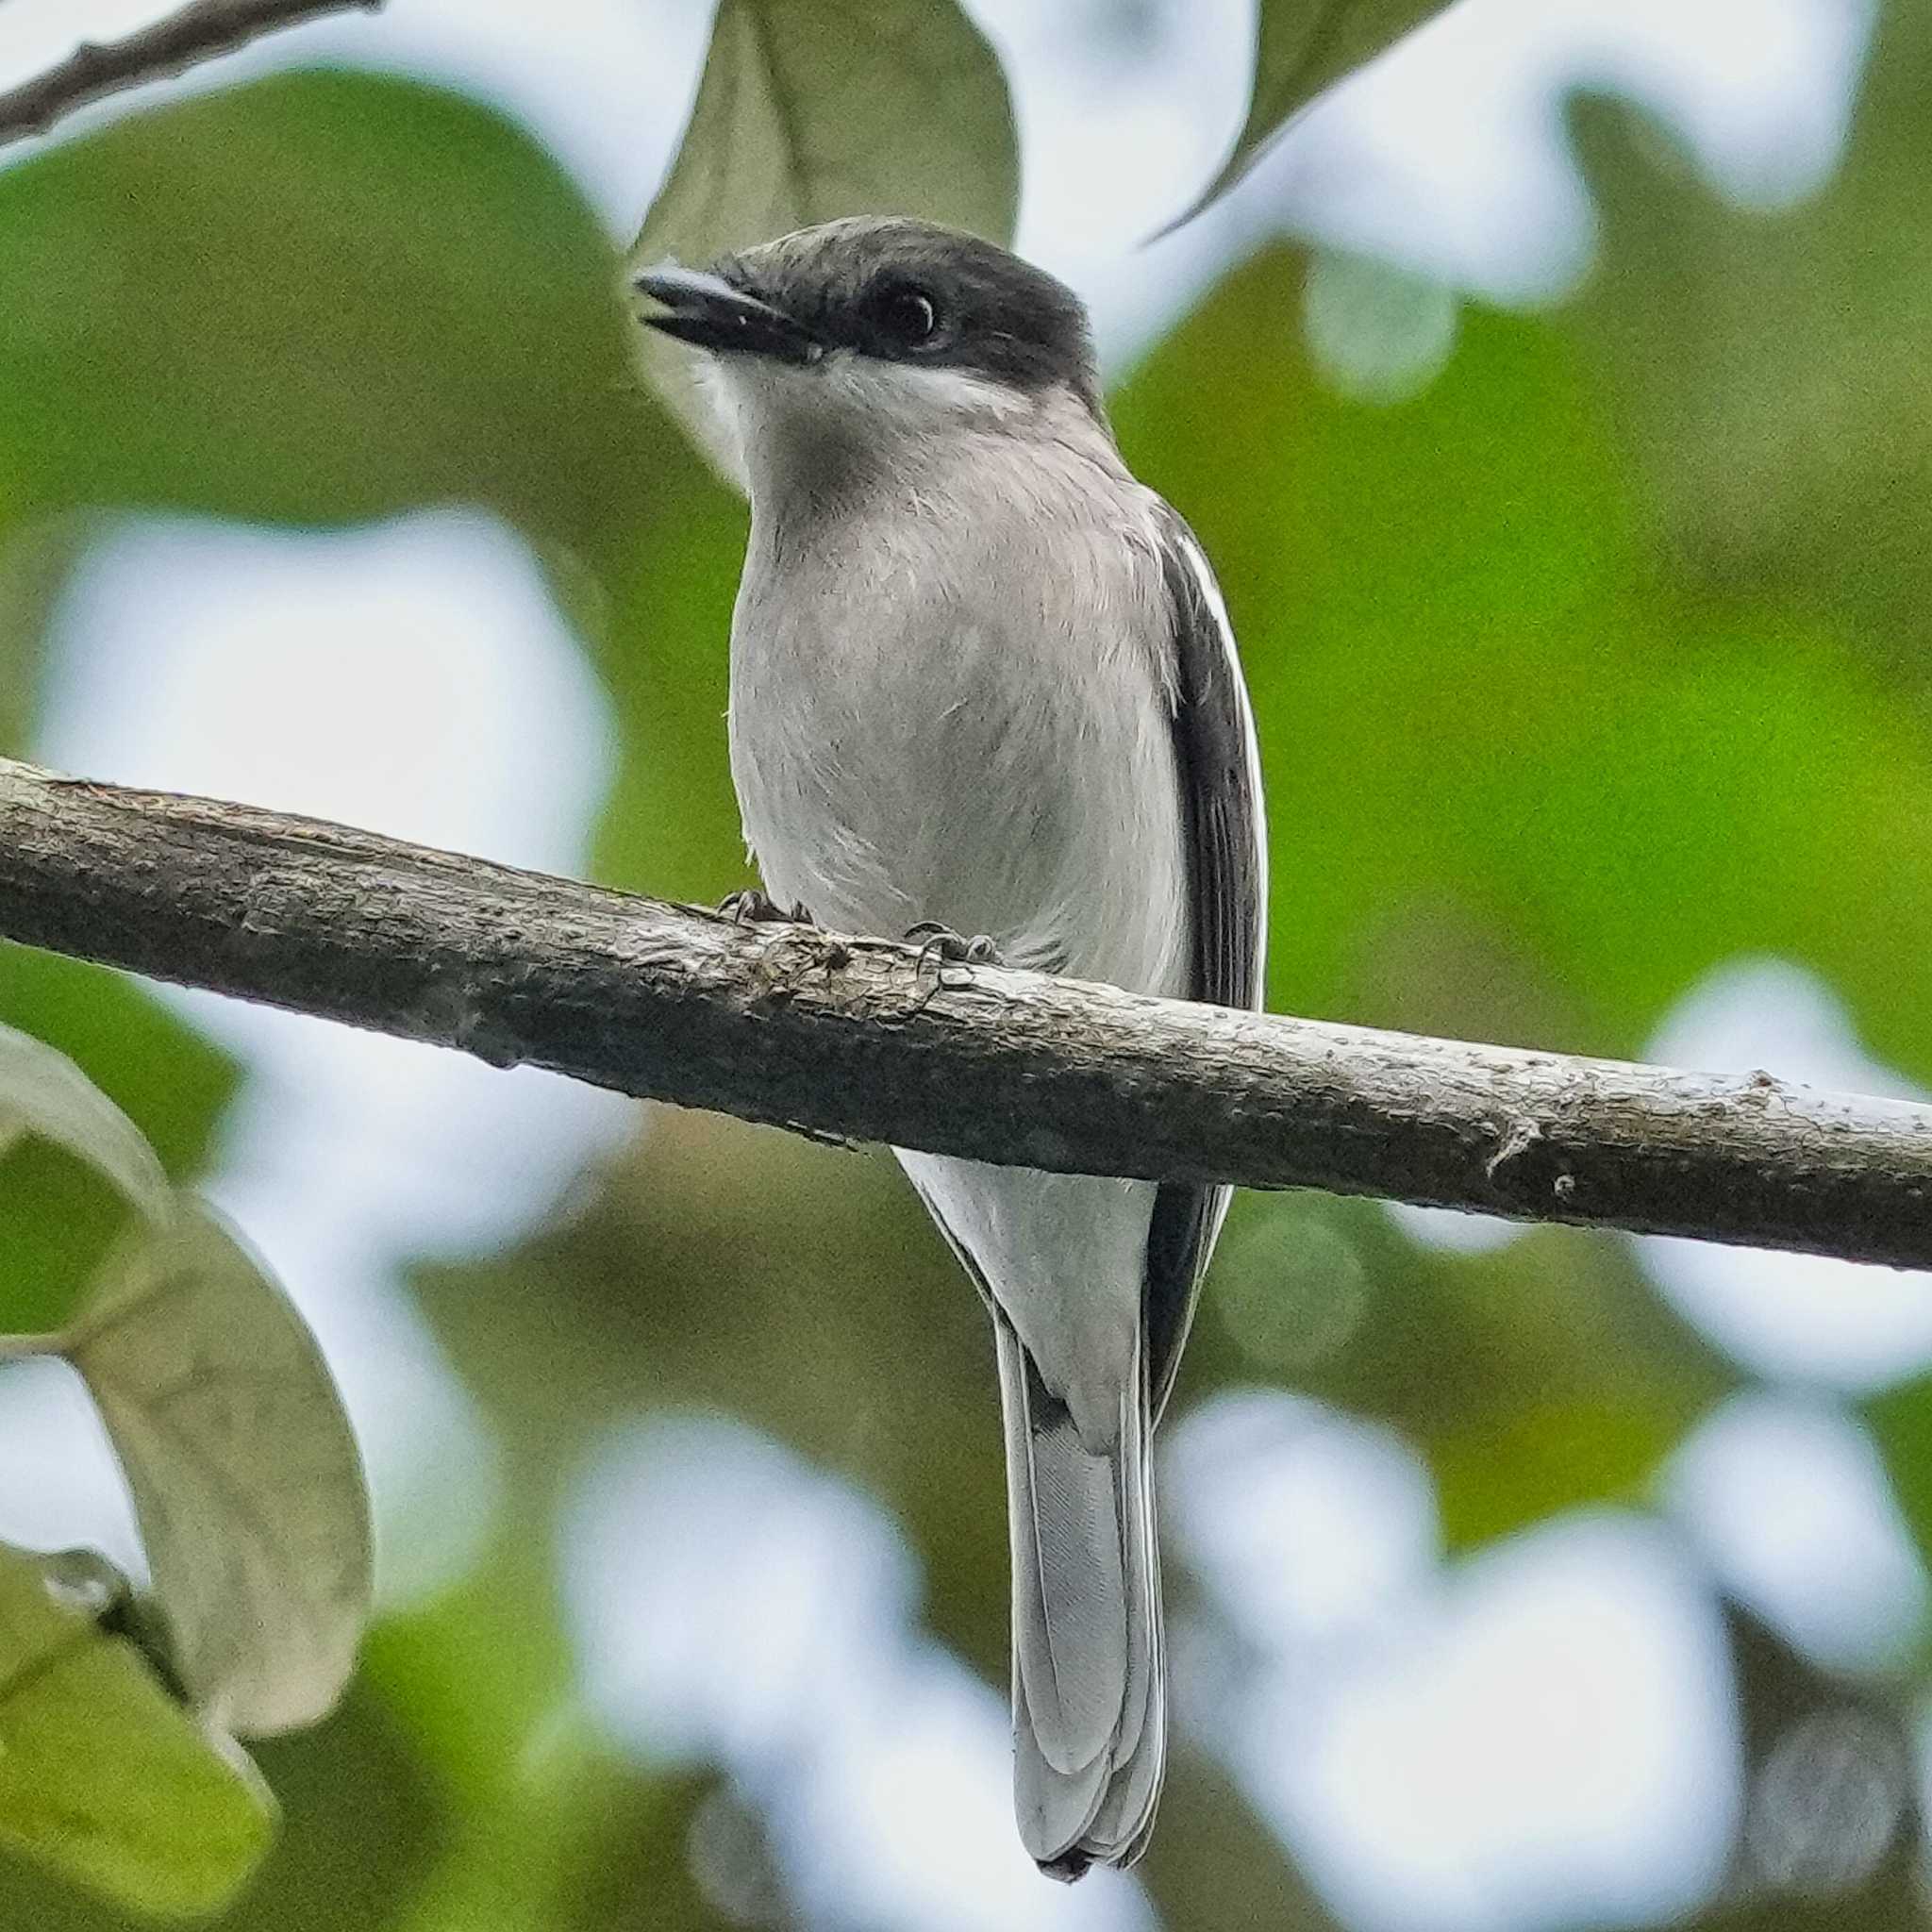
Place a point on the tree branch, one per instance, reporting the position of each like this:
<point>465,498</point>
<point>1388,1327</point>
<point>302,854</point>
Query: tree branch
<point>862,1038</point>
<point>197,32</point>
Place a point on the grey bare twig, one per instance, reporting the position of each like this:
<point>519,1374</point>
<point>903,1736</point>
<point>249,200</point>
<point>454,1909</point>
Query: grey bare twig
<point>858,1039</point>
<point>184,38</point>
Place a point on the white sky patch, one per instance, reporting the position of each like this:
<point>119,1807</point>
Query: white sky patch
<point>606,85</point>
<point>1450,1231</point>
<point>415,673</point>
<point>1551,1744</point>
<point>1542,1737</point>
<point>64,1489</point>
<point>1793,1316</point>
<point>1787,1496</point>
<point>1448,154</point>
<point>731,1605</point>
<point>1307,1525</point>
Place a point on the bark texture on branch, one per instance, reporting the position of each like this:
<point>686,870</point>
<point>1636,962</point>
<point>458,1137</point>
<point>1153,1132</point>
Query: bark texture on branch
<point>861,1039</point>
<point>197,32</point>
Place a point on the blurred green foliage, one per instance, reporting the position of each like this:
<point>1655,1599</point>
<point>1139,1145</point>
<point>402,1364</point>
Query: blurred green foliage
<point>1589,667</point>
<point>101,1768</point>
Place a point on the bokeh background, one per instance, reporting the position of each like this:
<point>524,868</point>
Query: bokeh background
<point>1556,403</point>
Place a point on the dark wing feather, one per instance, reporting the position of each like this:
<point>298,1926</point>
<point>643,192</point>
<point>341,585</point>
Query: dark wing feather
<point>1217,766</point>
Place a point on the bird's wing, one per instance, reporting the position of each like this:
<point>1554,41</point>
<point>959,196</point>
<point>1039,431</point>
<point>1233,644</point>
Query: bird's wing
<point>1218,763</point>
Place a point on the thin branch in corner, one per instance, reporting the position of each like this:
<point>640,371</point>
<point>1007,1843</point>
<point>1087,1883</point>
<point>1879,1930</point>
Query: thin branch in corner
<point>861,1039</point>
<point>201,31</point>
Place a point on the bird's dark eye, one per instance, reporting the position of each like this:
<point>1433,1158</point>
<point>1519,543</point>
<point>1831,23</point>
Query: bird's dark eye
<point>905,316</point>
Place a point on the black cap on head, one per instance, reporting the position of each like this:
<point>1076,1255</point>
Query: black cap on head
<point>913,291</point>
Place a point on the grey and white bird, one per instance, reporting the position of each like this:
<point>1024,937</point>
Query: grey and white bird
<point>982,681</point>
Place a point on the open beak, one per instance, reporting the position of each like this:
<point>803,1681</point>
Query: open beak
<point>707,310</point>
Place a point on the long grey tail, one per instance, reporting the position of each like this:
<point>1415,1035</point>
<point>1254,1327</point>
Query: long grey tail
<point>1089,1705</point>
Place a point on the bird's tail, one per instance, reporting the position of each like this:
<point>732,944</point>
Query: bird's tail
<point>1090,1716</point>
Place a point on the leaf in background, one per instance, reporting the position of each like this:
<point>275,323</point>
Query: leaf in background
<point>104,1776</point>
<point>58,1218</point>
<point>1483,696</point>
<point>42,1091</point>
<point>362,1820</point>
<point>247,1484</point>
<point>373,294</point>
<point>1302,46</point>
<point>809,109</point>
<point>1768,370</point>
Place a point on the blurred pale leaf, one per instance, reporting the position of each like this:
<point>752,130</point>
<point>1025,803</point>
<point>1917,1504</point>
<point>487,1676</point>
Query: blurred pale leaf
<point>371,295</point>
<point>1767,369</point>
<point>809,109</point>
<point>247,1484</point>
<point>104,1777</point>
<point>1302,46</point>
<point>42,1091</point>
<point>247,1479</point>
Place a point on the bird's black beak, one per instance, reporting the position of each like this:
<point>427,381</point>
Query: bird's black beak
<point>707,310</point>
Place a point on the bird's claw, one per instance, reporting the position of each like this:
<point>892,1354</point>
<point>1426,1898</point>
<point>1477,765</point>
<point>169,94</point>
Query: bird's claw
<point>752,907</point>
<point>941,942</point>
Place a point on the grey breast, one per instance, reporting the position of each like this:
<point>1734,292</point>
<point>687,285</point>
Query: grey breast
<point>949,707</point>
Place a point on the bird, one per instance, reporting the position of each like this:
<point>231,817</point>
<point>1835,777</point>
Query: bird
<point>984,691</point>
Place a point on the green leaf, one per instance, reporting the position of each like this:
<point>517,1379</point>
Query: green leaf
<point>1766,370</point>
<point>42,1091</point>
<point>1302,46</point>
<point>374,294</point>
<point>104,1777</point>
<point>809,109</point>
<point>59,1218</point>
<point>247,1484</point>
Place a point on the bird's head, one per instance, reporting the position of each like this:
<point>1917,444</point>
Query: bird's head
<point>852,346</point>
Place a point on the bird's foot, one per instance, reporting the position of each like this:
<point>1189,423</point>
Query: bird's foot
<point>936,941</point>
<point>752,907</point>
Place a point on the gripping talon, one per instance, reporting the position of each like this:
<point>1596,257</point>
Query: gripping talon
<point>753,908</point>
<point>941,942</point>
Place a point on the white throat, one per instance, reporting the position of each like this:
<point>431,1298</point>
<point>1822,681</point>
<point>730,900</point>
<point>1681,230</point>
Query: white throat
<point>849,421</point>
